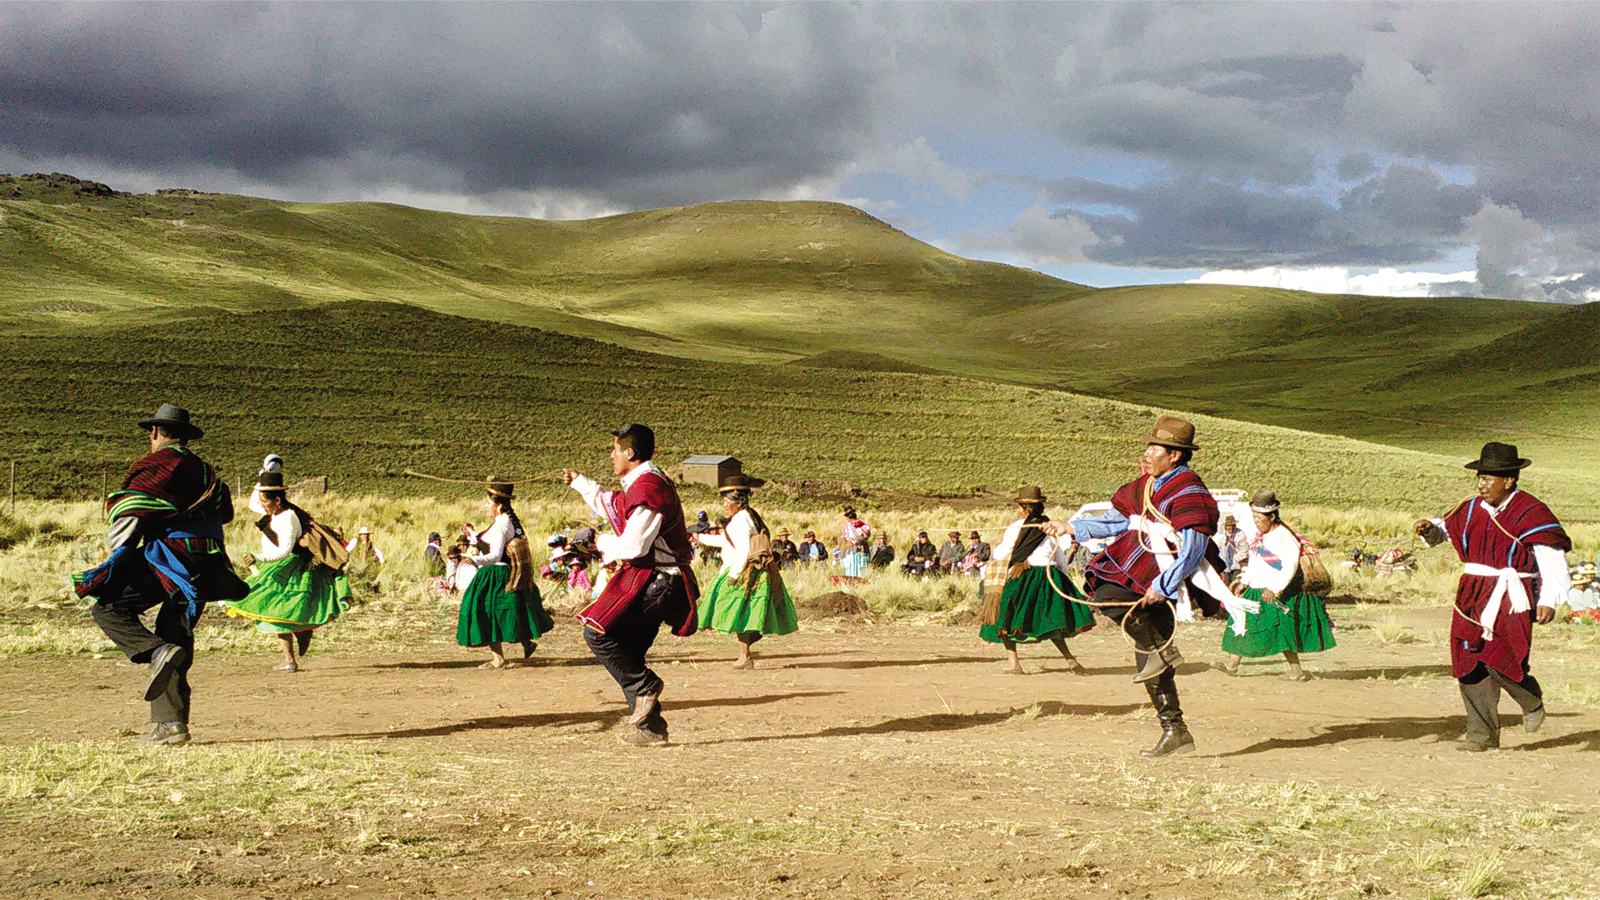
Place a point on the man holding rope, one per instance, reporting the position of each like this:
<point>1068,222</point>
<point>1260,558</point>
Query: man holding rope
<point>1162,523</point>
<point>653,583</point>
<point>1513,549</point>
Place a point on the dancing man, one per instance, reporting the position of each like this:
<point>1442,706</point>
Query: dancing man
<point>1162,523</point>
<point>1505,538</point>
<point>653,583</point>
<point>167,550</point>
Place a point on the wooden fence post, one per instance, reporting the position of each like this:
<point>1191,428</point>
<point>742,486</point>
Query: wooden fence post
<point>13,489</point>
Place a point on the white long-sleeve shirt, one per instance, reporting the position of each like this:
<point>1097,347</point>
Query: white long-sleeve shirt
<point>640,533</point>
<point>350,547</point>
<point>1274,558</point>
<point>1051,551</point>
<point>286,525</point>
<point>1555,579</point>
<point>734,541</point>
<point>495,537</point>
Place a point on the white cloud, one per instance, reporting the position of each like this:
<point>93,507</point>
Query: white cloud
<point>1038,238</point>
<point>1340,280</point>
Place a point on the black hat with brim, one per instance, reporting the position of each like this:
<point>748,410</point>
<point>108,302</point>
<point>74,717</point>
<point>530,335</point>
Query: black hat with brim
<point>175,419</point>
<point>739,481</point>
<point>1496,458</point>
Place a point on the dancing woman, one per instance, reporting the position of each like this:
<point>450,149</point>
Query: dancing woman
<point>1291,621</point>
<point>502,603</point>
<point>291,595</point>
<point>747,598</point>
<point>1032,607</point>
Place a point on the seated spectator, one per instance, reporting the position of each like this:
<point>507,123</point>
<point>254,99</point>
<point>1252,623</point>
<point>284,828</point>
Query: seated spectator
<point>811,550</point>
<point>951,552</point>
<point>784,549</point>
<point>433,557</point>
<point>883,553</point>
<point>978,553</point>
<point>921,556</point>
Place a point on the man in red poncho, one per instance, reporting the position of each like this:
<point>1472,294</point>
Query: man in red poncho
<point>1513,550</point>
<point>653,583</point>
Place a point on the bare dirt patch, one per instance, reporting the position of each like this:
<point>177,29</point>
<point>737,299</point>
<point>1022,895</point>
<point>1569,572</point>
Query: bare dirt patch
<point>885,761</point>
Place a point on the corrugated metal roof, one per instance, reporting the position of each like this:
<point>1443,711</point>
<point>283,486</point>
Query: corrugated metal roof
<point>706,460</point>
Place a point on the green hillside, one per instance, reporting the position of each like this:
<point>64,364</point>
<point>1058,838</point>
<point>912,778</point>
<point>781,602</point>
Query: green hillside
<point>822,284</point>
<point>363,391</point>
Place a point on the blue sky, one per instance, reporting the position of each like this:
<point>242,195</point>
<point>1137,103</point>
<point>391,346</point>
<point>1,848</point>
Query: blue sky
<point>1383,148</point>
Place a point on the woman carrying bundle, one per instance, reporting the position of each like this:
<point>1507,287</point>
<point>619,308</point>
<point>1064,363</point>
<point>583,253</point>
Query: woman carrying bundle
<point>502,603</point>
<point>747,598</point>
<point>291,594</point>
<point>1292,621</point>
<point>1038,601</point>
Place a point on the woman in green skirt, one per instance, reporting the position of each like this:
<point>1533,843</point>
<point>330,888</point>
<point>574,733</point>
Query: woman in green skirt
<point>747,598</point>
<point>1291,621</point>
<point>502,603</point>
<point>1038,601</point>
<point>290,596</point>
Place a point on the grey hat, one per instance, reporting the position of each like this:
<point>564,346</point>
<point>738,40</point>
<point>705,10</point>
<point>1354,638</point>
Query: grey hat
<point>175,419</point>
<point>1264,502</point>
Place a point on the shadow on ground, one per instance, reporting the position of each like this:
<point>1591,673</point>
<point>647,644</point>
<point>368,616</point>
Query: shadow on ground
<point>940,722</point>
<point>600,720</point>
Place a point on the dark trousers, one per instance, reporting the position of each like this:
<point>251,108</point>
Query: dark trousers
<point>119,619</point>
<point>1480,693</point>
<point>1150,627</point>
<point>622,648</point>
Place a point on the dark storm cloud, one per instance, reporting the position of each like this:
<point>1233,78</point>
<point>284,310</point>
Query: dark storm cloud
<point>1266,134</point>
<point>652,104</point>
<point>1401,215</point>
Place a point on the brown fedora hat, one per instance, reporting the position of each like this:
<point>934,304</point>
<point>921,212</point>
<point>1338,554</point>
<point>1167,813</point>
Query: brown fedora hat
<point>1498,457</point>
<point>738,481</point>
<point>1174,433</point>
<point>1029,493</point>
<point>1265,501</point>
<point>500,488</point>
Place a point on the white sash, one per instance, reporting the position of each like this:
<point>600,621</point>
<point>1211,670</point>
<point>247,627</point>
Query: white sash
<point>1508,583</point>
<point>1162,542</point>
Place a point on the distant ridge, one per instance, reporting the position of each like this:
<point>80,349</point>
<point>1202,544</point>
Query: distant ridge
<point>768,282</point>
<point>861,362</point>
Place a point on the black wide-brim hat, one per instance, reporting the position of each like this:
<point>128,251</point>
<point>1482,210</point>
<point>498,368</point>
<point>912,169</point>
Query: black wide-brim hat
<point>1029,493</point>
<point>267,482</point>
<point>175,419</point>
<point>1498,457</point>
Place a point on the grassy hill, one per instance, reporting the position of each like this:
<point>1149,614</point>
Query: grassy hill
<point>362,391</point>
<point>823,284</point>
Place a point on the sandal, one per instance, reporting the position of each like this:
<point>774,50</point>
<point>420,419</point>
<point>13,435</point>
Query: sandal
<point>491,664</point>
<point>1017,671</point>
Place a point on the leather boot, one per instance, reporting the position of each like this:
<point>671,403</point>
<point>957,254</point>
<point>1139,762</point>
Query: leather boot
<point>1175,737</point>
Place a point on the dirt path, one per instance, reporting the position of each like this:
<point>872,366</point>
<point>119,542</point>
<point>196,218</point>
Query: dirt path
<point>886,761</point>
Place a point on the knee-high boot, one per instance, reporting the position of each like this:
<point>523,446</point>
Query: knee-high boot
<point>1175,737</point>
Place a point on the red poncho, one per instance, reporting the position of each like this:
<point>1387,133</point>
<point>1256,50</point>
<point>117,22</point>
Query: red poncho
<point>654,492</point>
<point>1499,542</point>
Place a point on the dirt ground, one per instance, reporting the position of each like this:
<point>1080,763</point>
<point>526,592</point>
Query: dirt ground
<point>856,760</point>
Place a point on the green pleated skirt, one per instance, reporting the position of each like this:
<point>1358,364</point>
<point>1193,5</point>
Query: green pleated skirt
<point>290,594</point>
<point>726,607</point>
<point>490,613</point>
<point>1297,624</point>
<point>1031,610</point>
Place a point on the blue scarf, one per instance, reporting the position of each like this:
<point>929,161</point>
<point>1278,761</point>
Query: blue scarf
<point>162,559</point>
